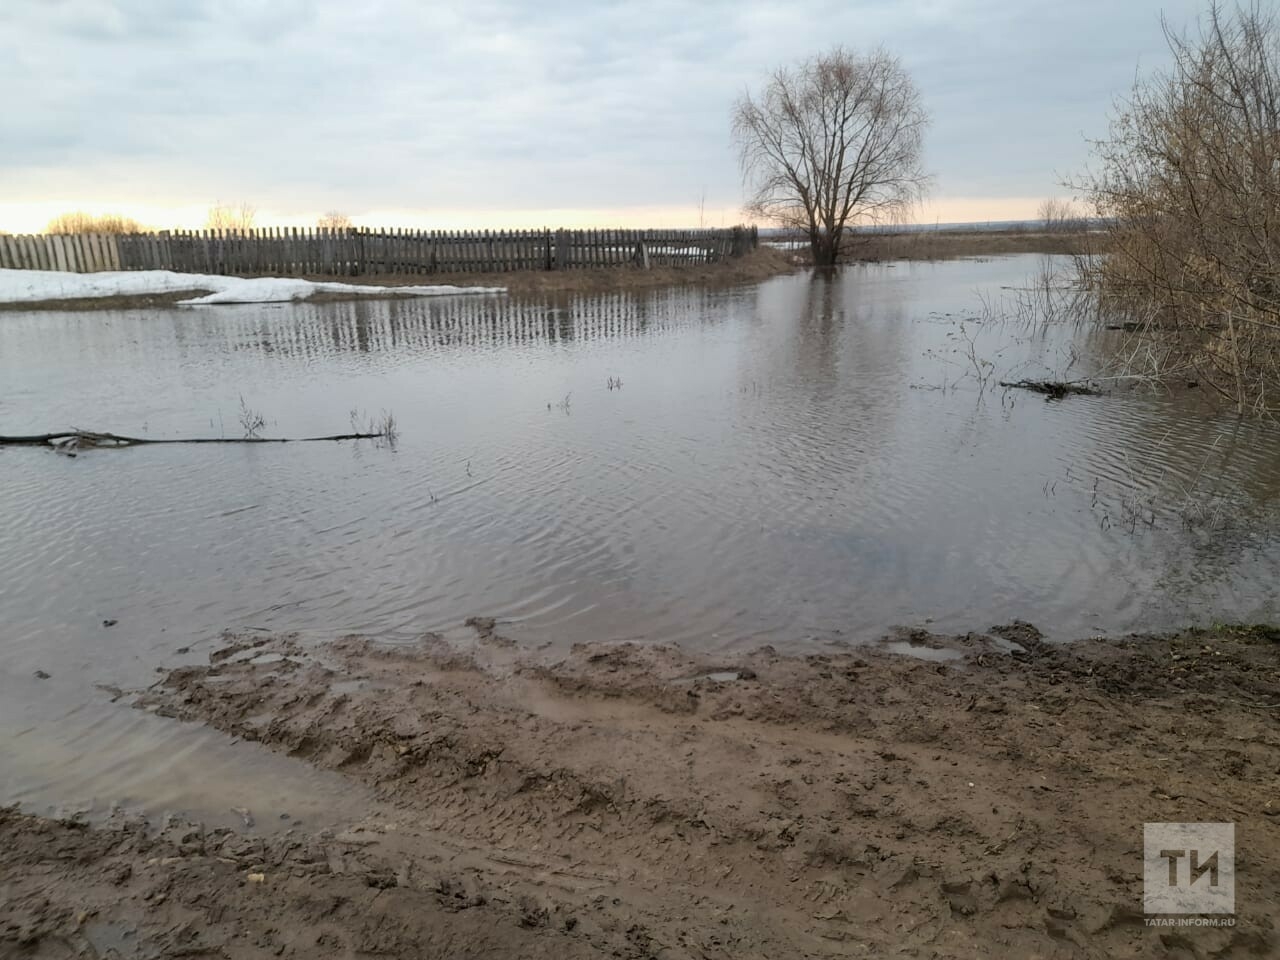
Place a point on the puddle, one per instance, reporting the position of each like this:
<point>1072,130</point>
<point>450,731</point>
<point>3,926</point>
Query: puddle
<point>265,658</point>
<point>1006,646</point>
<point>101,757</point>
<point>722,676</point>
<point>934,654</point>
<point>717,676</point>
<point>339,687</point>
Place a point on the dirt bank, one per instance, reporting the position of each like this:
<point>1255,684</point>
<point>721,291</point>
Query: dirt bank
<point>949,244</point>
<point>637,801</point>
<point>752,268</point>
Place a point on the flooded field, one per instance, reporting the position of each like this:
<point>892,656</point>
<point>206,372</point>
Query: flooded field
<point>805,461</point>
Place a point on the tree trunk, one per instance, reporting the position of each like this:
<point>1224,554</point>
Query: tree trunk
<point>824,251</point>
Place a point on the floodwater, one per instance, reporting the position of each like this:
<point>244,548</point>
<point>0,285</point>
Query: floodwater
<point>805,461</point>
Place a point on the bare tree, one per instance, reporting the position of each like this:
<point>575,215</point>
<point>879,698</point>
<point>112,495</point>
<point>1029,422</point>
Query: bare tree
<point>334,220</point>
<point>833,142</point>
<point>1189,182</point>
<point>226,216</point>
<point>1062,216</point>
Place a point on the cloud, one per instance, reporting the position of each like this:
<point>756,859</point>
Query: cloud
<point>301,105</point>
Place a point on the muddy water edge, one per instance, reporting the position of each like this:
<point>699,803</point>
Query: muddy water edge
<point>632,800</point>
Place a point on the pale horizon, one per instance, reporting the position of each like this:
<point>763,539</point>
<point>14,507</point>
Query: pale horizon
<point>34,217</point>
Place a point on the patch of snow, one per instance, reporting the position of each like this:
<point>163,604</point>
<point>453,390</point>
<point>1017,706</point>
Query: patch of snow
<point>32,286</point>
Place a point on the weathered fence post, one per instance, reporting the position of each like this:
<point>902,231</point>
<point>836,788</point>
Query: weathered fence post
<point>562,249</point>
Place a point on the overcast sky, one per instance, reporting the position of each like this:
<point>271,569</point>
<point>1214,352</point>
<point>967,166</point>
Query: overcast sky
<point>489,113</point>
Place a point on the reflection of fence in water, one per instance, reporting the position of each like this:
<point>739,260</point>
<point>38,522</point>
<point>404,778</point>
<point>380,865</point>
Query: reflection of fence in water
<point>311,330</point>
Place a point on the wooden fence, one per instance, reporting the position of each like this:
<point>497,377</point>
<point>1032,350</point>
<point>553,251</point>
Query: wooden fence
<point>359,251</point>
<point>79,252</point>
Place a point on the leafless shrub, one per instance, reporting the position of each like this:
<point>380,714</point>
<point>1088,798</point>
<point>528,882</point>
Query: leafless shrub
<point>833,142</point>
<point>251,420</point>
<point>387,426</point>
<point>382,428</point>
<point>1063,216</point>
<point>334,220</point>
<point>1189,181</point>
<point>1142,495</point>
<point>78,221</point>
<point>226,216</point>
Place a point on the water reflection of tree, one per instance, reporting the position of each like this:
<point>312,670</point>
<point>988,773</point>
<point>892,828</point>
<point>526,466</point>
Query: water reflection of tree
<point>831,358</point>
<point>841,351</point>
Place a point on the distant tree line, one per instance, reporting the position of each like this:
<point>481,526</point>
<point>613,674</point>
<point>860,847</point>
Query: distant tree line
<point>221,216</point>
<point>80,222</point>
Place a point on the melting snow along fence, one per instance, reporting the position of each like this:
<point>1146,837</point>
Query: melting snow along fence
<point>359,251</point>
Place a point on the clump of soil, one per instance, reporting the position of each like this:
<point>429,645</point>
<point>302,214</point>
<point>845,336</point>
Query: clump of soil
<point>639,801</point>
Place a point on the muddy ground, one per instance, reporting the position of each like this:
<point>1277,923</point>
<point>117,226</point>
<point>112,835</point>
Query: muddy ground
<point>983,798</point>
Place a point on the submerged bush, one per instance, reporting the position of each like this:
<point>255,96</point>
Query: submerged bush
<point>1189,183</point>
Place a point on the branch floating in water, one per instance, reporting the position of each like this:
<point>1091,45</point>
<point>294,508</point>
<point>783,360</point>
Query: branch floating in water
<point>90,438</point>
